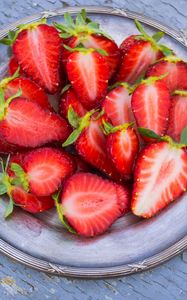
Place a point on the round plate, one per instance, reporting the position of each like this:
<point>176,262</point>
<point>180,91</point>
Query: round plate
<point>131,244</point>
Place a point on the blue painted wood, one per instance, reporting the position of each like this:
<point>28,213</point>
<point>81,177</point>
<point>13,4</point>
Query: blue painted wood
<point>168,281</point>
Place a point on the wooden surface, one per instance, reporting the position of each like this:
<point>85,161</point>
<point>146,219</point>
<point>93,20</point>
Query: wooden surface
<point>168,281</point>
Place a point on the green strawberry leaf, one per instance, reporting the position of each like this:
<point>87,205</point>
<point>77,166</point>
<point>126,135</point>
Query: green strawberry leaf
<point>9,208</point>
<point>21,176</point>
<point>180,93</point>
<point>65,88</point>
<point>3,189</point>
<point>101,51</point>
<point>149,133</point>
<point>165,50</point>
<point>183,138</point>
<point>72,137</point>
<point>158,35</point>
<point>68,20</point>
<point>73,118</point>
<point>61,213</point>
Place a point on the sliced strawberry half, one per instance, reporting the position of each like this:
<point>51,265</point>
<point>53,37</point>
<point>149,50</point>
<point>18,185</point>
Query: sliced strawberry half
<point>127,43</point>
<point>117,105</point>
<point>178,114</point>
<point>70,99</point>
<point>26,124</point>
<point>88,73</point>
<point>46,168</point>
<point>90,203</point>
<point>30,202</point>
<point>122,147</point>
<point>7,148</point>
<point>151,105</point>
<point>13,67</point>
<point>160,177</point>
<point>174,68</point>
<point>37,50</point>
<point>83,32</point>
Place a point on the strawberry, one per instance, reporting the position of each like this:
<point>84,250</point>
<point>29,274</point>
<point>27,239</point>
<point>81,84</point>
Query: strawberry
<point>160,177</point>
<point>174,68</point>
<point>122,146</point>
<point>29,89</point>
<point>117,105</point>
<point>127,43</point>
<point>87,33</point>
<point>7,148</point>
<point>141,51</point>
<point>178,114</point>
<point>13,66</point>
<point>45,169</point>
<point>25,123</point>
<point>37,49</point>
<point>69,98</point>
<point>150,105</point>
<point>90,142</point>
<point>91,203</point>
<point>124,197</point>
<point>88,74</point>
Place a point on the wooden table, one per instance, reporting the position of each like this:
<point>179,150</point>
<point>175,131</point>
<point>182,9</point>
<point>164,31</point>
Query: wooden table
<point>166,282</point>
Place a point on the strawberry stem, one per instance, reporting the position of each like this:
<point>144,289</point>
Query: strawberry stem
<point>108,128</point>
<point>180,93</point>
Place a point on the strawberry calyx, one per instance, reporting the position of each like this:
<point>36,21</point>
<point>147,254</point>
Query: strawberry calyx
<point>4,104</point>
<point>60,212</point>
<point>130,88</point>
<point>154,39</point>
<point>150,80</point>
<point>166,138</point>
<point>171,58</point>
<point>5,81</point>
<point>107,128</point>
<point>81,27</point>
<point>78,123</point>
<point>180,93</point>
<point>85,50</point>
<point>12,35</point>
<point>65,88</point>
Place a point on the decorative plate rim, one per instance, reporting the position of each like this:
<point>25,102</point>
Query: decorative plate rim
<point>126,269</point>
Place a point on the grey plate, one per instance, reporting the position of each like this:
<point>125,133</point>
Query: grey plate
<point>131,245</point>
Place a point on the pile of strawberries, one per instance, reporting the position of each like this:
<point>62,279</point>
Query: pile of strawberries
<point>113,136</point>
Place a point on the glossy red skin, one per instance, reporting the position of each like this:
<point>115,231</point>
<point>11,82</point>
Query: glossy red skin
<point>30,91</point>
<point>177,81</point>
<point>117,144</point>
<point>30,202</point>
<point>48,126</point>
<point>25,49</point>
<point>159,122</point>
<point>95,41</point>
<point>100,78</point>
<point>13,66</point>
<point>7,148</point>
<point>127,43</point>
<point>69,98</point>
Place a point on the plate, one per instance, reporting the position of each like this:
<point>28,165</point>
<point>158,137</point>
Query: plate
<point>131,244</point>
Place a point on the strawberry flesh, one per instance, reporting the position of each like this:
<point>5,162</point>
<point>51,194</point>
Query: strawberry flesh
<point>13,66</point>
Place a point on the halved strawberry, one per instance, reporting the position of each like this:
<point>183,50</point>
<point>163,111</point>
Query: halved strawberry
<point>122,146</point>
<point>7,148</point>
<point>117,105</point>
<point>160,177</point>
<point>124,198</point>
<point>142,51</point>
<point>88,73</point>
<point>25,123</point>
<point>127,43</point>
<point>29,90</point>
<point>45,169</point>
<point>151,104</point>
<point>13,66</point>
<point>69,98</point>
<point>178,114</point>
<point>30,202</point>
<point>90,143</point>
<point>87,33</point>
<point>37,49</point>
<point>91,203</point>
<point>174,68</point>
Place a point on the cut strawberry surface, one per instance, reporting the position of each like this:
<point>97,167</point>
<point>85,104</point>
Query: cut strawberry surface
<point>30,202</point>
<point>70,99</point>
<point>13,67</point>
<point>160,177</point>
<point>151,104</point>
<point>117,106</point>
<point>122,147</point>
<point>46,168</point>
<point>178,115</point>
<point>88,73</point>
<point>37,50</point>
<point>90,203</point>
<point>30,91</point>
<point>27,124</point>
<point>124,198</point>
<point>175,70</point>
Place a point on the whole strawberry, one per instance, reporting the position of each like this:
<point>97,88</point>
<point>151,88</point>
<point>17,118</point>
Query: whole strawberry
<point>138,53</point>
<point>160,174</point>
<point>87,33</point>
